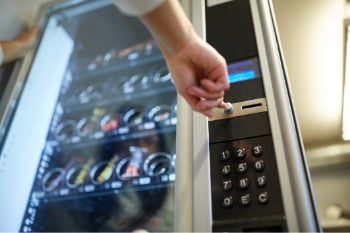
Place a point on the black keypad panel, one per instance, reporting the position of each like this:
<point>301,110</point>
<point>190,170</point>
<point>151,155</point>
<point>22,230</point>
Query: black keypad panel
<point>244,178</point>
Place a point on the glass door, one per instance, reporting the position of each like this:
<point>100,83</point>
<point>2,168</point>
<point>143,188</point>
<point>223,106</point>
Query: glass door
<point>91,144</point>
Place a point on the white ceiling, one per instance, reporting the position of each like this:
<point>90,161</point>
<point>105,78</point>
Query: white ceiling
<point>311,34</point>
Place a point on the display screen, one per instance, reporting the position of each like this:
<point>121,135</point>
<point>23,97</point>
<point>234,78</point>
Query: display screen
<point>243,70</point>
<point>91,146</point>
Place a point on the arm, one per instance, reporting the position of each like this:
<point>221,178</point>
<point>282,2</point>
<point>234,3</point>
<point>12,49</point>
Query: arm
<point>17,48</point>
<point>198,70</point>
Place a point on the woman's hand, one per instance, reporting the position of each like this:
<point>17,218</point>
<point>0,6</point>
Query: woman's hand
<point>198,70</point>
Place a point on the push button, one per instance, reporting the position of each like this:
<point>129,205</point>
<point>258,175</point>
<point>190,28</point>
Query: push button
<point>261,181</point>
<point>225,155</point>
<point>259,165</point>
<point>227,202</point>
<point>243,183</point>
<point>226,170</point>
<point>263,198</point>
<point>228,108</point>
<point>257,150</point>
<point>241,153</point>
<point>227,185</point>
<point>242,168</point>
<point>245,200</point>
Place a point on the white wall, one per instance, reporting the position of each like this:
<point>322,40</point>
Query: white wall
<point>16,15</point>
<point>311,35</point>
<point>312,39</point>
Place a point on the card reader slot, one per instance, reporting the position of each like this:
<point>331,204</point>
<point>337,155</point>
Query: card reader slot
<point>251,106</point>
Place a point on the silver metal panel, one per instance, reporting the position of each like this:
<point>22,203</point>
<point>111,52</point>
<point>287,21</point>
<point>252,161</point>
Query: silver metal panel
<point>201,173</point>
<point>292,166</point>
<point>183,218</point>
<point>241,109</point>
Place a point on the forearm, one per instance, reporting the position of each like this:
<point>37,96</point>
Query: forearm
<point>169,26</point>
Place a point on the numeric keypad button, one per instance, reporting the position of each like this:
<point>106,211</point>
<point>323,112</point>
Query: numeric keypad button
<point>257,150</point>
<point>259,165</point>
<point>225,155</point>
<point>242,168</point>
<point>227,185</point>
<point>227,202</point>
<point>261,181</point>
<point>263,198</point>
<point>241,153</point>
<point>243,183</point>
<point>226,170</point>
<point>245,200</point>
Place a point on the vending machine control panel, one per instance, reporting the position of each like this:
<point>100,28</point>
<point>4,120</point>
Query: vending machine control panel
<point>245,184</point>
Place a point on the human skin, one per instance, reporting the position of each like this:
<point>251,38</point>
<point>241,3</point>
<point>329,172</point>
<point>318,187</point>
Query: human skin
<point>198,70</point>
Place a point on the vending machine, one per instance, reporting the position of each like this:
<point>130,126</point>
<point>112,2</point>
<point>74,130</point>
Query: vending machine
<point>249,170</point>
<point>93,136</point>
<point>88,128</point>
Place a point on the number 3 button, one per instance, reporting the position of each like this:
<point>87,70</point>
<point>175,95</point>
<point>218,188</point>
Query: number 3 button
<point>257,150</point>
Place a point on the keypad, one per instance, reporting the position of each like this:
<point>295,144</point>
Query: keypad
<point>244,181</point>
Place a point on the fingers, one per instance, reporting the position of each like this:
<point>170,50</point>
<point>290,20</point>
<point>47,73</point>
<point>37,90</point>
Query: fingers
<point>200,92</point>
<point>202,105</point>
<point>218,85</point>
<point>209,89</point>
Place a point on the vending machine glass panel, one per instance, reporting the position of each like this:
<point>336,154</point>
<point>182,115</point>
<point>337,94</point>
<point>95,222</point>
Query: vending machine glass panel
<point>90,140</point>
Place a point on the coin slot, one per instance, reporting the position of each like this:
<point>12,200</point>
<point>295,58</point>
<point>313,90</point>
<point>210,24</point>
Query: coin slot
<point>251,106</point>
<point>241,109</point>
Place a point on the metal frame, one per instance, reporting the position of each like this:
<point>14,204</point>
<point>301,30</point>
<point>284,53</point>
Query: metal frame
<point>297,190</point>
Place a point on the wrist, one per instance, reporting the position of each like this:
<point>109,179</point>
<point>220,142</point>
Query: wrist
<point>169,26</point>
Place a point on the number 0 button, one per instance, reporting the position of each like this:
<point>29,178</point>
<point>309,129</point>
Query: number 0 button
<point>227,202</point>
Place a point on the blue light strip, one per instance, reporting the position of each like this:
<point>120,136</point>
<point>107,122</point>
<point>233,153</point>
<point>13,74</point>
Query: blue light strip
<point>244,75</point>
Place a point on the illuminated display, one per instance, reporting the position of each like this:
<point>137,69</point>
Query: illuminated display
<point>243,70</point>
